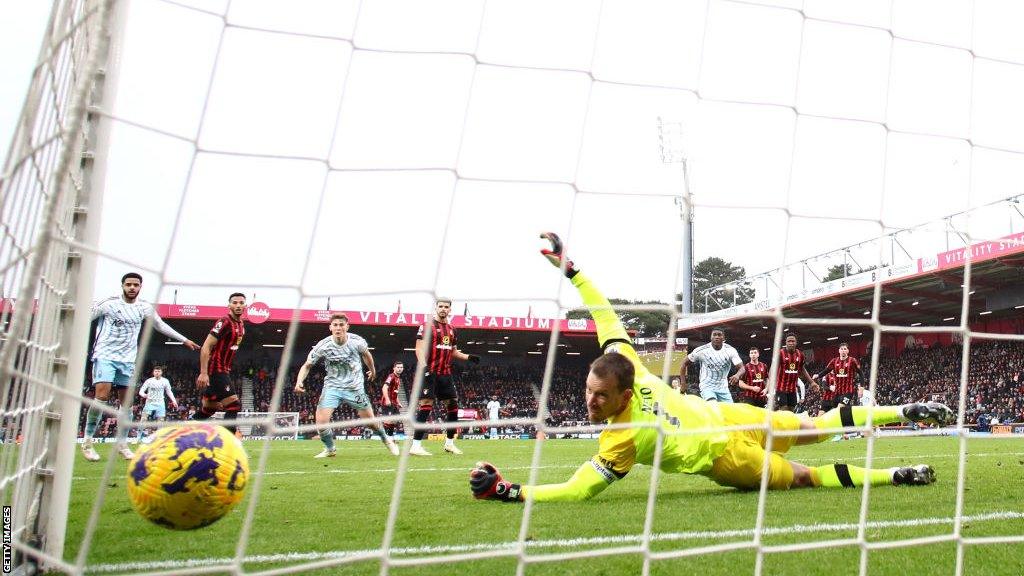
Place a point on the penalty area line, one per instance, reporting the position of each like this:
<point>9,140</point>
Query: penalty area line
<point>465,469</point>
<point>557,543</point>
<point>558,466</point>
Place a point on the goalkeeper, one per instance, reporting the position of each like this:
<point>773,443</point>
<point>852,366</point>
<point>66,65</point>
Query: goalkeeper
<point>620,390</point>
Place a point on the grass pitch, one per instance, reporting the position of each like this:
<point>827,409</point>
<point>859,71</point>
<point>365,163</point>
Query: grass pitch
<point>655,363</point>
<point>315,510</point>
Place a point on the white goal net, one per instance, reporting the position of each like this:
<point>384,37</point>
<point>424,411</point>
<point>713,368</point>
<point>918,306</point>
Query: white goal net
<point>286,424</point>
<point>348,155</point>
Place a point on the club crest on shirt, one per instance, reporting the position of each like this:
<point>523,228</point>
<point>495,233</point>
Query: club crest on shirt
<point>446,343</point>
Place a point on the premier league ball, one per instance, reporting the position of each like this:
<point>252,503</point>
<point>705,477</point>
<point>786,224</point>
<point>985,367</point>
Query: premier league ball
<point>189,476</point>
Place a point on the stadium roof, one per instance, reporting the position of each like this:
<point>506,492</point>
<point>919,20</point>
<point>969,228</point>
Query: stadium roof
<point>924,293</point>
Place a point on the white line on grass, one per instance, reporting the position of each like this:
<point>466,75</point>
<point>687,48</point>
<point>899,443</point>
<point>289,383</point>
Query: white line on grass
<point>560,543</point>
<point>385,470</point>
<point>378,470</point>
<point>465,468</point>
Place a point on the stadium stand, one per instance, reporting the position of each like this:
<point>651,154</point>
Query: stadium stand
<point>995,385</point>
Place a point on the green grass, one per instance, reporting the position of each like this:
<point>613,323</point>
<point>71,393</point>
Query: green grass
<point>655,363</point>
<point>319,507</point>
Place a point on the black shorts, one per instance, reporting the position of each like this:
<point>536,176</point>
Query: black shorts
<point>758,401</point>
<point>389,410</point>
<point>845,400</point>
<point>828,404</point>
<point>219,388</point>
<point>785,399</point>
<point>439,387</point>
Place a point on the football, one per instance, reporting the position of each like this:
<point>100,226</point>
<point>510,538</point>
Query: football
<point>188,476</point>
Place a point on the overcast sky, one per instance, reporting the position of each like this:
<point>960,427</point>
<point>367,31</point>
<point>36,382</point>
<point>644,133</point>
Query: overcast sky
<point>396,165</point>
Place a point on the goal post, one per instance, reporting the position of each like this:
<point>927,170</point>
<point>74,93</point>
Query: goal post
<point>88,209</point>
<point>50,213</point>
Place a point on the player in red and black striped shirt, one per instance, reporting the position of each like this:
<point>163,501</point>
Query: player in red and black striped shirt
<point>215,358</point>
<point>828,394</point>
<point>791,368</point>
<point>435,349</point>
<point>389,403</point>
<point>844,370</point>
<point>755,380</point>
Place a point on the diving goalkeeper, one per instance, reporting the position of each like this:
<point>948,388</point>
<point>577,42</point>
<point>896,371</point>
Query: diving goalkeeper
<point>620,390</point>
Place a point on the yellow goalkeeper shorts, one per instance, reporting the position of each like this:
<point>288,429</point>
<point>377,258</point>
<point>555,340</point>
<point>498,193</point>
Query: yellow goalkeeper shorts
<point>741,464</point>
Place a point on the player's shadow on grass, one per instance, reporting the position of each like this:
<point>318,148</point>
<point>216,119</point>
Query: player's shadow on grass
<point>711,492</point>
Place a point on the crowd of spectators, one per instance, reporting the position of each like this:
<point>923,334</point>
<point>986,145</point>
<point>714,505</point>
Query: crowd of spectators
<point>995,386</point>
<point>995,379</point>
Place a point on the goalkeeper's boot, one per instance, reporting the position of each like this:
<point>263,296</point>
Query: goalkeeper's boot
<point>327,453</point>
<point>451,448</point>
<point>929,413</point>
<point>125,451</point>
<point>919,475</point>
<point>419,451</point>
<point>89,452</point>
<point>392,447</point>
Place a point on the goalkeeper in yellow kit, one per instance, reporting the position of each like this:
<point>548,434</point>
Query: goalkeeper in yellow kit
<point>619,390</point>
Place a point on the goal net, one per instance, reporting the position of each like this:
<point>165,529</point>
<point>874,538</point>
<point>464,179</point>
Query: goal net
<point>285,427</point>
<point>352,155</point>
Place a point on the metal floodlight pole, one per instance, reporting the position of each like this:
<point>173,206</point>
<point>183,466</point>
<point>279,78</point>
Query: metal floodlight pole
<point>686,214</point>
<point>672,153</point>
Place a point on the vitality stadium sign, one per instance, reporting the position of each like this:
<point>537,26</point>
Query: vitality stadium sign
<point>258,313</point>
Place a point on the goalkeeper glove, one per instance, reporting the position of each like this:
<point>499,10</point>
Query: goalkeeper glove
<point>555,255</point>
<point>487,484</point>
<point>474,358</point>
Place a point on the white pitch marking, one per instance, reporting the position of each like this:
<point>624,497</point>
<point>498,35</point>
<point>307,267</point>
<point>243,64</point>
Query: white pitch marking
<point>820,459</point>
<point>379,470</point>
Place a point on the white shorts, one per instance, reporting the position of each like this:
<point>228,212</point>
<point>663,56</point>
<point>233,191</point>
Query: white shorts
<point>718,394</point>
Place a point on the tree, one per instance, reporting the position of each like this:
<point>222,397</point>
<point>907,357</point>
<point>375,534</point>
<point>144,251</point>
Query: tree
<point>838,271</point>
<point>647,323</point>
<point>712,272</point>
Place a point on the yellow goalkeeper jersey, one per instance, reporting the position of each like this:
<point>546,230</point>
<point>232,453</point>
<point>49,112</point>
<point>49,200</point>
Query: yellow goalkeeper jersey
<point>690,444</point>
<point>690,441</point>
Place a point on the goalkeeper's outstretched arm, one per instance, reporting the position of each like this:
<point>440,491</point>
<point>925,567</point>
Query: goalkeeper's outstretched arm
<point>595,475</point>
<point>611,334</point>
<point>589,480</point>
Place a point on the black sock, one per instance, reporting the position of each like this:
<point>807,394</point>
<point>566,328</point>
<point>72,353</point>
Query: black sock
<point>230,415</point>
<point>421,418</point>
<point>203,413</point>
<point>453,416</point>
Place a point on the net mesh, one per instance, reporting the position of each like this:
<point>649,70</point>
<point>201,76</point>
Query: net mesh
<point>597,103</point>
